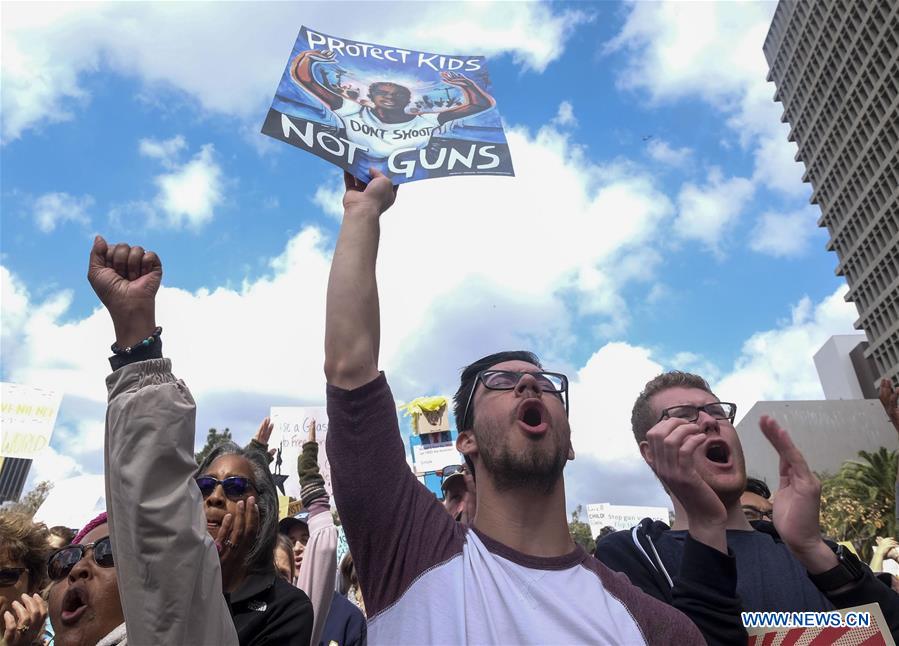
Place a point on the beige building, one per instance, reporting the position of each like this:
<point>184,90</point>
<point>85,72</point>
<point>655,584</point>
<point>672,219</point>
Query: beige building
<point>835,64</point>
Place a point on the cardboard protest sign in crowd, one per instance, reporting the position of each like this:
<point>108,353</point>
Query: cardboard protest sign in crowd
<point>621,516</point>
<point>27,419</point>
<point>411,115</point>
<point>292,425</point>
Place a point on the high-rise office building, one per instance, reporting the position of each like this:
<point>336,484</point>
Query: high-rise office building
<point>835,64</point>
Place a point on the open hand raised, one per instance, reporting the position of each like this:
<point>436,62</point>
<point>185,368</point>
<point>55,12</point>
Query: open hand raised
<point>797,503</point>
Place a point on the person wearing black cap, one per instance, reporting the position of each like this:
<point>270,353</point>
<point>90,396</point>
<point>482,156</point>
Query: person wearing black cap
<point>458,492</point>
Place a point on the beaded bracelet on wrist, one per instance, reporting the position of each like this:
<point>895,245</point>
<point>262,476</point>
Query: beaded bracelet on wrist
<point>150,340</point>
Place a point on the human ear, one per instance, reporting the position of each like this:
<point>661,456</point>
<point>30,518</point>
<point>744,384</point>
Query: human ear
<point>466,444</point>
<point>646,453</point>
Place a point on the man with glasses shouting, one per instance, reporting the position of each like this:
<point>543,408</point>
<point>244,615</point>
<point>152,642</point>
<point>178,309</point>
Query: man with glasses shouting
<point>687,437</point>
<point>513,575</point>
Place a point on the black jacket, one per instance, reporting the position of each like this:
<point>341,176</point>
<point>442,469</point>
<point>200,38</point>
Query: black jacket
<point>267,610</point>
<point>633,553</point>
<point>345,625</point>
<point>705,589</point>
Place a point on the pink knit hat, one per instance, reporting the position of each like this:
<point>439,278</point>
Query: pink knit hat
<point>96,522</point>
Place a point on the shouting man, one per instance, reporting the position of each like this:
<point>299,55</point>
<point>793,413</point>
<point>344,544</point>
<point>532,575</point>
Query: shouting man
<point>687,436</point>
<point>513,575</point>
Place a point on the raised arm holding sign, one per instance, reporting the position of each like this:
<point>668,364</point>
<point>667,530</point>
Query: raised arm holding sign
<point>513,574</point>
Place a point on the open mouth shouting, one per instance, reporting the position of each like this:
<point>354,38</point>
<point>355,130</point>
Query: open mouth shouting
<point>533,416</point>
<point>718,452</point>
<point>74,605</point>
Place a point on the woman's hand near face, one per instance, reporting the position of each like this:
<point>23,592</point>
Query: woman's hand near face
<point>24,623</point>
<point>235,539</point>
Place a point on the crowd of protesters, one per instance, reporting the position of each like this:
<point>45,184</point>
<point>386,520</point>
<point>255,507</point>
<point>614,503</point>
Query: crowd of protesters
<point>196,554</point>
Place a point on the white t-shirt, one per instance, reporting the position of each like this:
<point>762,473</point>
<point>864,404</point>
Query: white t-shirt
<point>365,129</point>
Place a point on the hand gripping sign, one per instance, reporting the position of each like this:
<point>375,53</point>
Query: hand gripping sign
<point>412,115</point>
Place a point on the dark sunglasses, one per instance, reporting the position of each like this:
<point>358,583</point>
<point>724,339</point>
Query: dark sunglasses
<point>9,575</point>
<point>234,487</point>
<point>61,562</point>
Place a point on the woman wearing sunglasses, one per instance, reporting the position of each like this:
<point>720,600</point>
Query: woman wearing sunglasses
<point>173,574</point>
<point>85,608</point>
<point>23,572</point>
<point>241,506</point>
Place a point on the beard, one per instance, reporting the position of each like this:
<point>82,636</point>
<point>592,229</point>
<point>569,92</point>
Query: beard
<point>535,468</point>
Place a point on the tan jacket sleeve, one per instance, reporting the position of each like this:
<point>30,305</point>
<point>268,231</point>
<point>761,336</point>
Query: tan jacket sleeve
<point>167,566</point>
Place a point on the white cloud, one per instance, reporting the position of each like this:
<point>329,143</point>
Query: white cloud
<point>661,151</point>
<point>603,393</point>
<point>189,194</point>
<point>53,466</point>
<point>565,115</point>
<point>329,197</point>
<point>778,364</point>
<point>785,234</point>
<point>166,150</point>
<point>52,209</point>
<point>713,51</point>
<point>707,212</point>
<point>47,50</point>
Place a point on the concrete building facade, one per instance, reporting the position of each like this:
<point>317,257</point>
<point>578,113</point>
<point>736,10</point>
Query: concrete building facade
<point>827,432</point>
<point>843,370</point>
<point>835,64</point>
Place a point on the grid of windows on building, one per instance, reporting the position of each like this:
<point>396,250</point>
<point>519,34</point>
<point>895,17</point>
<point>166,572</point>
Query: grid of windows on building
<point>835,64</point>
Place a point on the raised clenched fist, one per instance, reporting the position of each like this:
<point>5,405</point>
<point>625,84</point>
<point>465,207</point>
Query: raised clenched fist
<point>126,280</point>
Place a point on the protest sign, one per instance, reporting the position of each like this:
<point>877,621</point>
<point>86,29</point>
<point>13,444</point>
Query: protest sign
<point>434,457</point>
<point>27,417</point>
<point>621,516</point>
<point>412,115</point>
<point>291,431</point>
<point>865,625</point>
<point>429,414</point>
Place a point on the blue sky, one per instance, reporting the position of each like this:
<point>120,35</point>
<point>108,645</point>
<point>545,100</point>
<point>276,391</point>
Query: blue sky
<point>657,220</point>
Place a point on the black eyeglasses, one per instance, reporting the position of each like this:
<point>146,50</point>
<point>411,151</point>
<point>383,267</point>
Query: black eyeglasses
<point>234,486</point>
<point>718,410</point>
<point>9,575</point>
<point>61,562</point>
<point>548,382</point>
<point>754,513</point>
